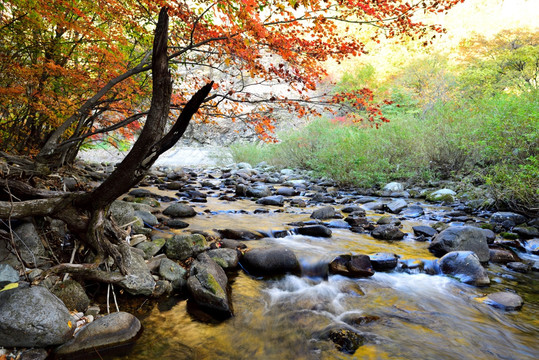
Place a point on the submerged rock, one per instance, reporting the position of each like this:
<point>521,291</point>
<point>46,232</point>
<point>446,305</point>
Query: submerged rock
<point>345,339</point>
<point>33,317</point>
<point>465,266</point>
<point>107,332</point>
<point>461,238</point>
<point>505,300</point>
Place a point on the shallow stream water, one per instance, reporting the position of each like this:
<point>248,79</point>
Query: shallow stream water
<point>405,315</point>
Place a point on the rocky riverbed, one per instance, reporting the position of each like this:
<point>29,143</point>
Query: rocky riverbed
<point>244,246</point>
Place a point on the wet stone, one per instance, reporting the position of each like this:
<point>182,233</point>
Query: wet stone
<point>424,230</point>
<point>179,210</point>
<point>526,232</point>
<point>387,232</point>
<point>351,266</point>
<point>396,206</point>
<point>518,267</point>
<point>276,200</point>
<point>176,224</point>
<point>502,256</point>
<point>384,261</point>
<point>505,300</point>
<point>326,212</point>
<point>315,231</point>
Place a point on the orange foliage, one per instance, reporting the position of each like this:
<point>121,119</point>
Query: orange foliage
<point>262,55</point>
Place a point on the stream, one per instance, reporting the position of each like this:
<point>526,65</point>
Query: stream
<point>400,314</point>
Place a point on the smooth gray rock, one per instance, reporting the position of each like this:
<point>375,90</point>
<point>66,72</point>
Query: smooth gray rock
<point>500,217</point>
<point>173,272</point>
<point>465,266</point>
<point>110,331</point>
<point>139,280</point>
<point>314,230</point>
<point>424,230</point>
<point>461,238</point>
<point>179,210</point>
<point>396,206</point>
<point>122,212</point>
<point>29,244</point>
<point>258,192</point>
<point>505,300</point>
<point>270,261</point>
<point>287,191</point>
<point>176,223</point>
<point>182,247</point>
<point>33,317</point>
<point>147,217</point>
<point>393,187</point>
<point>326,212</point>
<point>225,258</point>
<point>276,200</point>
<point>412,211</point>
<point>387,232</point>
<point>207,284</point>
<point>8,275</point>
<point>72,294</point>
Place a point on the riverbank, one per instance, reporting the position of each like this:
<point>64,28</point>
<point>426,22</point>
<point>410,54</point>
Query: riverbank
<point>284,253</point>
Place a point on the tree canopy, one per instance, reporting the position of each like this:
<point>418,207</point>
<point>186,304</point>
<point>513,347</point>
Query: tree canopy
<point>69,69</point>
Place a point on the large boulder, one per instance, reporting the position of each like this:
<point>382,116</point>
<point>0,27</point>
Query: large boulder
<point>139,280</point>
<point>179,210</point>
<point>461,238</point>
<point>270,261</point>
<point>465,266</point>
<point>107,332</point>
<point>182,247</point>
<point>33,317</point>
<point>207,284</point>
<point>351,266</point>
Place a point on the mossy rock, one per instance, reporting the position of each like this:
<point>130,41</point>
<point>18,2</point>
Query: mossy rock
<point>509,236</point>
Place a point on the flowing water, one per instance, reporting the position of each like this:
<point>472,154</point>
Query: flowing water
<point>399,315</point>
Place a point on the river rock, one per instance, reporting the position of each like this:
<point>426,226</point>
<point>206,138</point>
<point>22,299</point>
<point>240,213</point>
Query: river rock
<point>465,266</point>
<point>179,210</point>
<point>147,217</point>
<point>387,232</point>
<point>518,266</point>
<point>491,236</point>
<point>239,234</point>
<point>326,212</point>
<point>445,195</point>
<point>173,272</point>
<point>424,230</point>
<point>225,258</point>
<point>314,230</point>
<point>500,217</point>
<point>461,238</point>
<point>346,340</point>
<point>276,200</point>
<point>151,248</point>
<point>8,275</point>
<point>353,209</point>
<point>176,223</point>
<point>272,261</point>
<point>502,256</point>
<point>107,332</point>
<point>396,206</point>
<point>287,191</point>
<point>33,317</point>
<point>393,187</point>
<point>232,244</point>
<point>505,300</point>
<point>139,280</point>
<point>207,284</point>
<point>412,212</point>
<point>140,193</point>
<point>182,247</point>
<point>258,192</point>
<point>122,212</point>
<point>384,261</point>
<point>526,232</point>
<point>351,266</point>
<point>72,294</point>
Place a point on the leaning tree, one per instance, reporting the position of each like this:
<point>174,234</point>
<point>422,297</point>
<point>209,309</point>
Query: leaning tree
<point>69,72</point>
